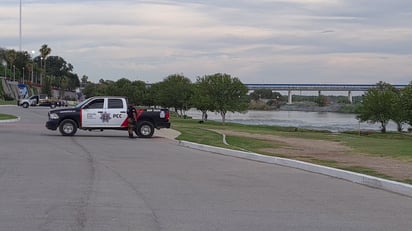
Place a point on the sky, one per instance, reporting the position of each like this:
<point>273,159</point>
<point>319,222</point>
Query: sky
<point>259,41</point>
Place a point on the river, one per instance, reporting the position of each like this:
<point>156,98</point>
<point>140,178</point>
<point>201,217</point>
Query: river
<point>331,121</point>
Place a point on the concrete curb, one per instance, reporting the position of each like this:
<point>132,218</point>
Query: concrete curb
<point>392,186</point>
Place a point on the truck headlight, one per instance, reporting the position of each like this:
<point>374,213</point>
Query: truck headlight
<point>53,116</point>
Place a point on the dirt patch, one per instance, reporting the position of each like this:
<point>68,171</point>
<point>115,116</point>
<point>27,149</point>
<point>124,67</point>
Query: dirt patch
<point>330,151</point>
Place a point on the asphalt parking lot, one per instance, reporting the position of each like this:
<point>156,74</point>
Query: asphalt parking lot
<point>106,181</point>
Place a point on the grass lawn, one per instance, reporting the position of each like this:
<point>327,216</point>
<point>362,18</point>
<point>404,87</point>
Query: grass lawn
<point>12,102</point>
<point>392,145</point>
<point>7,117</point>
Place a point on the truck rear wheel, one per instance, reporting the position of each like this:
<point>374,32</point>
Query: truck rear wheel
<point>145,129</point>
<point>68,127</point>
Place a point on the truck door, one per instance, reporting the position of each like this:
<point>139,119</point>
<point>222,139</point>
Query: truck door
<point>92,114</point>
<point>117,111</point>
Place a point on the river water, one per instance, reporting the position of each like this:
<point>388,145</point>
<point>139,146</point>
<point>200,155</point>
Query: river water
<point>331,121</point>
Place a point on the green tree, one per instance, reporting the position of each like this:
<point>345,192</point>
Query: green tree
<point>201,99</point>
<point>152,97</point>
<point>11,56</point>
<point>4,62</point>
<point>90,90</point>
<point>97,89</point>
<point>322,101</point>
<point>84,80</point>
<point>263,94</point>
<point>134,91</point>
<point>46,87</point>
<point>406,99</point>
<point>399,113</point>
<point>377,105</point>
<point>44,52</point>
<point>175,91</point>
<point>227,93</point>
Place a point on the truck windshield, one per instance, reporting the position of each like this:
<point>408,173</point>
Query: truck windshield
<point>83,103</point>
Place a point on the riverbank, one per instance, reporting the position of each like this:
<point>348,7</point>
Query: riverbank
<point>304,106</point>
<point>313,107</point>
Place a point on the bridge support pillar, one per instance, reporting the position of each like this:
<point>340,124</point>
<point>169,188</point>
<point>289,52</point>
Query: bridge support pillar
<point>289,97</point>
<point>350,97</point>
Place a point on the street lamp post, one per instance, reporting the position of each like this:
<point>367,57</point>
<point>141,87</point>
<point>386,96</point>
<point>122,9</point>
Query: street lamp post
<point>41,70</point>
<point>23,75</point>
<point>32,64</point>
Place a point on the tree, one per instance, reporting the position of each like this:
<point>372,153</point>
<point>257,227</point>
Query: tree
<point>262,94</point>
<point>399,113</point>
<point>11,56</point>
<point>134,91</point>
<point>322,101</point>
<point>84,80</point>
<point>152,95</point>
<point>46,87</point>
<point>175,91</point>
<point>201,99</point>
<point>57,66</point>
<point>228,94</point>
<point>406,98</point>
<point>44,52</point>
<point>377,105</point>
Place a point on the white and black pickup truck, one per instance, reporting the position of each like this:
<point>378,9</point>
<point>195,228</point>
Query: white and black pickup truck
<point>37,100</point>
<point>106,113</point>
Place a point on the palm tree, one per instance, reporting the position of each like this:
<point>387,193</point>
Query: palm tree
<point>11,56</point>
<point>29,68</point>
<point>44,52</point>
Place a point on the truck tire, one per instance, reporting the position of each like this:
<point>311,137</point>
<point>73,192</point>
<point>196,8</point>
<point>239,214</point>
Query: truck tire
<point>68,127</point>
<point>144,129</point>
<point>53,105</point>
<point>25,105</point>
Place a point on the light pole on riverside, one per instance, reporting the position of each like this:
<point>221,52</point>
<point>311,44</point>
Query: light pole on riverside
<point>32,64</point>
<point>41,70</point>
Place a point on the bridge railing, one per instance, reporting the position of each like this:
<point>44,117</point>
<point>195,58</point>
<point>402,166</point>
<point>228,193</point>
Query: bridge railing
<point>316,87</point>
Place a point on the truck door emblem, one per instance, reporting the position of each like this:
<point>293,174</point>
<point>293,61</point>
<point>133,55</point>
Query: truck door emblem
<point>105,117</point>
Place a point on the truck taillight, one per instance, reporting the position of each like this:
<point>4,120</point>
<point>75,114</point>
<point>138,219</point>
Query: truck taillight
<point>167,115</point>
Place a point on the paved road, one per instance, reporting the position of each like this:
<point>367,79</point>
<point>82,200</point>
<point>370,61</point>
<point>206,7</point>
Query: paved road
<point>105,181</point>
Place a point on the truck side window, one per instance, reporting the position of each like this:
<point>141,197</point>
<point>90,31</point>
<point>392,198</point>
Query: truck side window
<point>95,104</point>
<point>115,103</point>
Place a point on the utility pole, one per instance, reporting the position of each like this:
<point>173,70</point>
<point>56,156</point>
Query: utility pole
<point>20,30</point>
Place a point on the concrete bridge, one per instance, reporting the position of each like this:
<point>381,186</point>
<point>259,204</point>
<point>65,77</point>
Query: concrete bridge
<point>316,87</point>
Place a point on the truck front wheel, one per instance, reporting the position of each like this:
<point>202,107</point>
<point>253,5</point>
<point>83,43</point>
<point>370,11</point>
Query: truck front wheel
<point>145,129</point>
<point>68,127</point>
<point>25,105</point>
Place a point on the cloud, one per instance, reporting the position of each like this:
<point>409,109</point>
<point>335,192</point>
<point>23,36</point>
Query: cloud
<point>267,41</point>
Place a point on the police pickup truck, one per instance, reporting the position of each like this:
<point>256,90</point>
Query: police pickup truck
<point>106,113</point>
